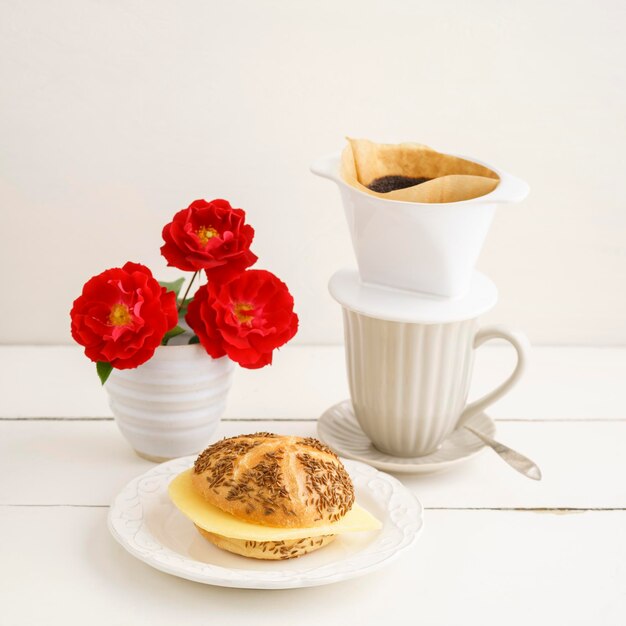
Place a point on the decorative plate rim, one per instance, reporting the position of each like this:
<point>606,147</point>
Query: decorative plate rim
<point>402,525</point>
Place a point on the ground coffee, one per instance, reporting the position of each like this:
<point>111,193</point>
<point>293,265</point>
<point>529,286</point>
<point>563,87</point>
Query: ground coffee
<point>385,184</point>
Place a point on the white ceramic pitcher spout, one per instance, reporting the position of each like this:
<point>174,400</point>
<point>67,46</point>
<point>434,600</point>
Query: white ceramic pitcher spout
<point>328,167</point>
<point>422,247</point>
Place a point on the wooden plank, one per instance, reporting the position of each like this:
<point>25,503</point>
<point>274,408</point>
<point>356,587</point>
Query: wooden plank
<point>75,462</point>
<point>60,566</point>
<point>561,383</point>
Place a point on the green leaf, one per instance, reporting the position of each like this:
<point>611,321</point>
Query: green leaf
<point>194,339</point>
<point>174,285</point>
<point>104,369</point>
<point>177,330</point>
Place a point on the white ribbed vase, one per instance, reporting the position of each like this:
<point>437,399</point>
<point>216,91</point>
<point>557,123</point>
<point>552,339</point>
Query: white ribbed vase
<point>409,382</point>
<point>171,405</point>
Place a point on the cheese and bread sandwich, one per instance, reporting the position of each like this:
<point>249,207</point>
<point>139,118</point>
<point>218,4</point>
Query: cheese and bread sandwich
<point>269,496</point>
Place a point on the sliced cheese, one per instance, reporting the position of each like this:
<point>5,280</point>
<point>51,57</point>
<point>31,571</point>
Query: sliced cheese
<point>214,520</point>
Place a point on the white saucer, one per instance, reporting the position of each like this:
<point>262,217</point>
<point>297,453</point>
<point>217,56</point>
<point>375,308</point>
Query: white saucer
<point>339,429</point>
<point>398,305</point>
<point>144,520</point>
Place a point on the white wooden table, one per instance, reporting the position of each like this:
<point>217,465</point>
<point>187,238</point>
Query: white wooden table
<point>496,548</point>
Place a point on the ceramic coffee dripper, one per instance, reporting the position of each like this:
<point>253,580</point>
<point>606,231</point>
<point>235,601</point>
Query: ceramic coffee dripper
<point>423,247</point>
<point>410,359</point>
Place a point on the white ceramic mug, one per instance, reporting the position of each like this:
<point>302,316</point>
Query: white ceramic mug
<point>421,247</point>
<point>409,382</point>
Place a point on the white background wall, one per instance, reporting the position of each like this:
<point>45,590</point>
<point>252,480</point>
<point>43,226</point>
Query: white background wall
<point>116,114</point>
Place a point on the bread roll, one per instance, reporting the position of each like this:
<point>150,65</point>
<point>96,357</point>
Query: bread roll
<point>285,482</point>
<point>268,550</point>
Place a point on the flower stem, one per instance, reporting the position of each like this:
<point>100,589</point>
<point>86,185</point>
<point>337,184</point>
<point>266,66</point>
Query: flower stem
<point>182,303</point>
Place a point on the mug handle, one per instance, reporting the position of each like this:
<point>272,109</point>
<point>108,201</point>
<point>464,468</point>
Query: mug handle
<point>522,346</point>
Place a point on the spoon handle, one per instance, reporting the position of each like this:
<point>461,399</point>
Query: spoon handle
<point>516,460</point>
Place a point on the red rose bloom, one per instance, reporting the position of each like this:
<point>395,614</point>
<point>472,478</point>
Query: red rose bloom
<point>202,319</point>
<point>246,318</point>
<point>122,316</point>
<point>209,236</point>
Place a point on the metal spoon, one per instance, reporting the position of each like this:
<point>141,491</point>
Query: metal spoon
<point>516,460</point>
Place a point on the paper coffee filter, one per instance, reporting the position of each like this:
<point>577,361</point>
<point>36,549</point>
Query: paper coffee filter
<point>453,178</point>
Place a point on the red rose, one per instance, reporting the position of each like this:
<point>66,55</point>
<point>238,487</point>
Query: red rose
<point>122,316</point>
<point>209,236</point>
<point>246,318</point>
<point>201,317</point>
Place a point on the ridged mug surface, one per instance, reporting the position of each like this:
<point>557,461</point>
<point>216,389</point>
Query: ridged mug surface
<point>408,382</point>
<point>171,405</point>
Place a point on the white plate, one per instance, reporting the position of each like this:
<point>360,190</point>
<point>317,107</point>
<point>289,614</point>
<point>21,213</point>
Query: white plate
<point>339,429</point>
<point>144,520</point>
